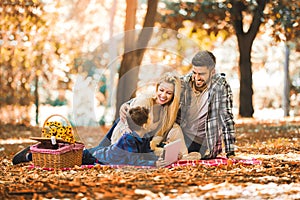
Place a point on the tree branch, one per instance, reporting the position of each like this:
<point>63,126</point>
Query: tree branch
<point>257,19</point>
<point>147,30</point>
<point>236,16</point>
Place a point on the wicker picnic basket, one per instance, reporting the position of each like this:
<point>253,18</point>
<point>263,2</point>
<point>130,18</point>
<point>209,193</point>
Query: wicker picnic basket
<point>67,152</point>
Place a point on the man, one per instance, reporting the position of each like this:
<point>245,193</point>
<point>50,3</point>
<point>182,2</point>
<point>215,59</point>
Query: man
<point>205,114</point>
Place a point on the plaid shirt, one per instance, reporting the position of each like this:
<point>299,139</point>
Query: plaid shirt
<point>219,117</point>
<point>130,149</point>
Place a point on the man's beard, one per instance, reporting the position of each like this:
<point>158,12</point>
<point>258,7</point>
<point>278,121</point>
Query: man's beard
<point>199,88</point>
<point>203,86</point>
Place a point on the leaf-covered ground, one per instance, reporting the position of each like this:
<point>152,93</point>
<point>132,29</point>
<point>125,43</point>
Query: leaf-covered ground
<point>275,143</point>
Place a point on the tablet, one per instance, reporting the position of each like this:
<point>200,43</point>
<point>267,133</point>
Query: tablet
<point>171,151</point>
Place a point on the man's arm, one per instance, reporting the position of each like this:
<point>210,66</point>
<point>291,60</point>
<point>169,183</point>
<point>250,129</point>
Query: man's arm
<point>228,121</point>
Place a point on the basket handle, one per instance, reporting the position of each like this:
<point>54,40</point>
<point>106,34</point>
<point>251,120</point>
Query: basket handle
<point>56,115</point>
<point>74,131</point>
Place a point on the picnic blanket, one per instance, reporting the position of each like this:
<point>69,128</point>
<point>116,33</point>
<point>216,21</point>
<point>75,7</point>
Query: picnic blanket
<point>217,161</point>
<point>211,162</point>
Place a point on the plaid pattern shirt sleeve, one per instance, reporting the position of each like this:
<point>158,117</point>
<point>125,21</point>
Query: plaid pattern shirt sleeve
<point>220,123</point>
<point>227,119</point>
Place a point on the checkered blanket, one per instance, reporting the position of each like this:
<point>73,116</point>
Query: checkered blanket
<point>215,162</point>
<point>212,162</point>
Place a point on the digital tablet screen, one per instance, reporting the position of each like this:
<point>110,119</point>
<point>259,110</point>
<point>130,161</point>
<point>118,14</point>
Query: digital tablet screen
<point>171,151</point>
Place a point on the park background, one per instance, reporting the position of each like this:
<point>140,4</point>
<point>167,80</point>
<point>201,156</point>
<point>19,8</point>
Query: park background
<point>54,54</point>
<point>66,56</point>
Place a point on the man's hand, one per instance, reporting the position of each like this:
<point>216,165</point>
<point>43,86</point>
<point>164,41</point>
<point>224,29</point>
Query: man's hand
<point>230,154</point>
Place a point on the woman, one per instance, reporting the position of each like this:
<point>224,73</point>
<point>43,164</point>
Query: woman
<point>163,108</point>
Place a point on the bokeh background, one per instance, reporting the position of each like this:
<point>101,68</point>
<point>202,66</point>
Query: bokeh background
<point>67,56</point>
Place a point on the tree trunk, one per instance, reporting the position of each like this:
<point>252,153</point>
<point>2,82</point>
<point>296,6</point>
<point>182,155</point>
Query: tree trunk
<point>246,91</point>
<point>134,52</point>
<point>286,89</point>
<point>126,84</point>
<point>36,102</point>
<point>245,41</point>
<point>113,55</point>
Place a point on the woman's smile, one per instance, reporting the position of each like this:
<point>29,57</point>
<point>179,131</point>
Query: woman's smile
<point>165,93</point>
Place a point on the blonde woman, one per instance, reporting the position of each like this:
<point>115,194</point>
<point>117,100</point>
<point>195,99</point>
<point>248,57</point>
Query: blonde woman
<point>163,107</point>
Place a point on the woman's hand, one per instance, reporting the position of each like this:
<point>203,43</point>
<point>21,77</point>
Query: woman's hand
<point>158,151</point>
<point>155,141</point>
<point>123,112</point>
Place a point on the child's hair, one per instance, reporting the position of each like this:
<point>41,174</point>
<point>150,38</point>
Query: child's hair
<point>137,117</point>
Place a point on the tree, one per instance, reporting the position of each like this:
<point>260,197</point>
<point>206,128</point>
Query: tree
<point>228,15</point>
<point>245,41</point>
<point>38,40</point>
<point>134,50</point>
<point>244,19</point>
<point>22,52</point>
<point>284,19</point>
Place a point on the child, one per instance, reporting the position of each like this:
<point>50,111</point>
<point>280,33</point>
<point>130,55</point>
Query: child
<point>132,148</point>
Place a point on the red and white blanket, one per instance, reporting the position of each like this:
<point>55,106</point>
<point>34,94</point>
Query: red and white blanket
<point>212,162</point>
<point>217,161</point>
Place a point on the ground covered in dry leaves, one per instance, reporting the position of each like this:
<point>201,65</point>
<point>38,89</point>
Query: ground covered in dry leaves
<point>275,143</point>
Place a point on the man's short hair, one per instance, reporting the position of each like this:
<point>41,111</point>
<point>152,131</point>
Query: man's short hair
<point>204,58</point>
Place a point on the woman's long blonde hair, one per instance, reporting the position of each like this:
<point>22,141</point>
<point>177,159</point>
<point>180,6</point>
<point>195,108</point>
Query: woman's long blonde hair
<point>171,108</point>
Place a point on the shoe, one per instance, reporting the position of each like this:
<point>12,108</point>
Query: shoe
<point>88,158</point>
<point>20,157</point>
